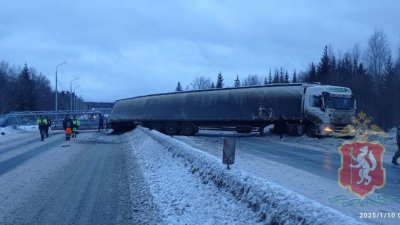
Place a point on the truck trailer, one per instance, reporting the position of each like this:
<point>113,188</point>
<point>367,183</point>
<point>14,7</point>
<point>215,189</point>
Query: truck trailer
<point>319,110</point>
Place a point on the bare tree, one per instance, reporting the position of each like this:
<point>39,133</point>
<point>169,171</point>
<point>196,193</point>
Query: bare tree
<point>252,80</point>
<point>377,54</point>
<point>356,52</point>
<point>201,83</point>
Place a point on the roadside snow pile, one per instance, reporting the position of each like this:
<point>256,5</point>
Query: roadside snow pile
<point>9,130</point>
<point>10,133</point>
<point>272,203</point>
<point>18,129</point>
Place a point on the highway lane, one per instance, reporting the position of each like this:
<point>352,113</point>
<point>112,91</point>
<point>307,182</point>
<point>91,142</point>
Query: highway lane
<point>323,164</point>
<point>31,151</point>
<point>84,181</point>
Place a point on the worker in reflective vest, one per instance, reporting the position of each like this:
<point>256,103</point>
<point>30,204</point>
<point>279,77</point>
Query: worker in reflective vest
<point>42,123</point>
<point>75,126</point>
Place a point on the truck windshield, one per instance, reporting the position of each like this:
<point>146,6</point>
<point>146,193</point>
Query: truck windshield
<point>339,103</point>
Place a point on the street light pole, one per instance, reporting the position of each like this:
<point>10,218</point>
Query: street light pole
<point>75,97</point>
<point>56,106</point>
<point>70,89</point>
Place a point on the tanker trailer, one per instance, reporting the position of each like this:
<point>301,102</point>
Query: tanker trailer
<point>242,109</point>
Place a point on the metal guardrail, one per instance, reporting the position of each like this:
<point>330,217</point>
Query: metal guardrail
<point>89,119</point>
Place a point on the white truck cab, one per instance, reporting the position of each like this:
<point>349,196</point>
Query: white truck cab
<point>328,109</point>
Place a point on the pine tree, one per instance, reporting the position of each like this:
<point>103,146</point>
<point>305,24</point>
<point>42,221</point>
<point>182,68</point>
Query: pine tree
<point>269,77</point>
<point>276,77</point>
<point>281,76</point>
<point>220,81</point>
<point>237,82</point>
<point>323,71</point>
<point>25,100</point>
<point>294,79</point>
<point>286,77</point>
<point>265,81</point>
<point>311,75</point>
<point>178,87</point>
<point>212,85</point>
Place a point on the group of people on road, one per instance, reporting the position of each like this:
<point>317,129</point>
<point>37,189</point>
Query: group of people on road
<point>70,125</point>
<point>44,124</point>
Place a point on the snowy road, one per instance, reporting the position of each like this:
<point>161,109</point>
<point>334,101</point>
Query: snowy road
<point>84,183</point>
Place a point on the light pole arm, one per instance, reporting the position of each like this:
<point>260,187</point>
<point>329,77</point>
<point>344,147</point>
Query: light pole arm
<point>56,100</point>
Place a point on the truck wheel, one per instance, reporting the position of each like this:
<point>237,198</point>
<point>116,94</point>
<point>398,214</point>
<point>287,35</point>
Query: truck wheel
<point>311,131</point>
<point>188,129</point>
<point>155,126</point>
<point>171,128</point>
<point>261,130</point>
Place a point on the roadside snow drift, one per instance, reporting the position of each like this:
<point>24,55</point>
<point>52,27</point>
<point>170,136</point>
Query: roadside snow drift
<point>272,203</point>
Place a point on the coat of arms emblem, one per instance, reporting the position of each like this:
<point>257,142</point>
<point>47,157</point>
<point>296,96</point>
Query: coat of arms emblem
<point>361,168</point>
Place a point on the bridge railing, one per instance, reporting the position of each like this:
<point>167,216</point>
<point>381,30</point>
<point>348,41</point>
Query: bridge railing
<point>89,119</point>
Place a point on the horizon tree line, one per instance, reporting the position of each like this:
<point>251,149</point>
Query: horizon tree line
<point>26,89</point>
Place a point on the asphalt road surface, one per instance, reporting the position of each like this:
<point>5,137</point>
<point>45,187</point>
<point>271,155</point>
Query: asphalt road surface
<point>323,164</point>
<point>84,181</point>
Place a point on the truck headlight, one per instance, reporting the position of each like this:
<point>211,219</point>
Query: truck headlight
<point>328,130</point>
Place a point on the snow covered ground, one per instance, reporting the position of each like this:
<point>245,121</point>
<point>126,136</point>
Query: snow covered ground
<point>181,198</point>
<point>170,166</point>
<point>10,133</point>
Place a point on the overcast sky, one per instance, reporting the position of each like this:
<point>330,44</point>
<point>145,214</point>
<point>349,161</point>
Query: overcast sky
<point>124,48</point>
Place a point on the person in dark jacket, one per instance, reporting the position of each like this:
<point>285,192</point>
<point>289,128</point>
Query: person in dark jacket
<point>42,122</point>
<point>67,125</point>
<point>101,122</point>
<point>280,126</point>
<point>397,154</point>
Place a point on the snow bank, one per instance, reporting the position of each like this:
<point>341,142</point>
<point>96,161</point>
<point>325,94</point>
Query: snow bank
<point>274,204</point>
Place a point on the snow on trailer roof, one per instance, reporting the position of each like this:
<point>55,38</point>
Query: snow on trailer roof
<point>230,88</point>
<point>329,89</point>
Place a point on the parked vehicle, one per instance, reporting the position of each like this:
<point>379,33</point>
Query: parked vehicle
<point>312,108</point>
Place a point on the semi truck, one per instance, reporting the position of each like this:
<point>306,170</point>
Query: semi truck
<point>318,110</point>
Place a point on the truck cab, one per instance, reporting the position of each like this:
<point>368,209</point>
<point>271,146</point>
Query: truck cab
<point>328,109</point>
